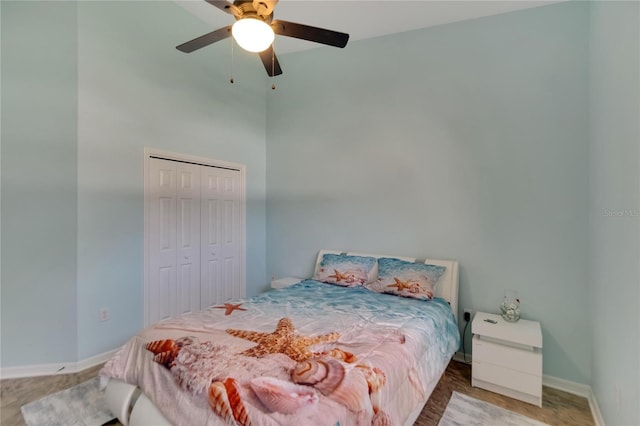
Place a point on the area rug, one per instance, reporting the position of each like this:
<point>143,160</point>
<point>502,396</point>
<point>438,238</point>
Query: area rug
<point>81,405</point>
<point>468,411</point>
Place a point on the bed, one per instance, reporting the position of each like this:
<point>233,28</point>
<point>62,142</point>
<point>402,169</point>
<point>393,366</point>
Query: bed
<point>315,353</point>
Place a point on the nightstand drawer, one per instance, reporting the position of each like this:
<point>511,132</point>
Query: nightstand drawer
<point>513,358</point>
<point>508,378</point>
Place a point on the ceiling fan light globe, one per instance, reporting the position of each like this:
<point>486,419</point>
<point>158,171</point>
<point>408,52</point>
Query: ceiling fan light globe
<point>252,34</point>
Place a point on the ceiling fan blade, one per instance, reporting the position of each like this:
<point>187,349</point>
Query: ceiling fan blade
<point>270,61</point>
<point>223,5</point>
<point>306,32</point>
<point>205,40</point>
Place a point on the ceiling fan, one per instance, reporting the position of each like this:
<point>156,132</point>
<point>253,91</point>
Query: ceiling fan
<point>255,29</point>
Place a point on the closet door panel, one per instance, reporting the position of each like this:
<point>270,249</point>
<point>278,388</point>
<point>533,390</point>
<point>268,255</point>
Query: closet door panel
<point>221,228</point>
<point>212,280</point>
<point>188,237</point>
<point>162,240</point>
<point>230,224</point>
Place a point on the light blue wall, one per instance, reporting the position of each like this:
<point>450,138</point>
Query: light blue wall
<point>39,121</point>
<point>465,141</point>
<point>72,218</point>
<point>137,90</point>
<point>615,208</point>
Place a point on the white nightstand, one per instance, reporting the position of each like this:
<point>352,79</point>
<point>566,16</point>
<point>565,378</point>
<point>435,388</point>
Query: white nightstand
<point>507,357</point>
<point>284,282</point>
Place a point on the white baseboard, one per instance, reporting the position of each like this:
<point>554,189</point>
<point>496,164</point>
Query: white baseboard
<point>575,388</point>
<point>567,386</point>
<point>54,369</point>
<point>595,409</point>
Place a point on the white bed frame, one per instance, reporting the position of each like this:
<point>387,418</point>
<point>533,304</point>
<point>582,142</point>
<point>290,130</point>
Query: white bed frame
<point>132,407</point>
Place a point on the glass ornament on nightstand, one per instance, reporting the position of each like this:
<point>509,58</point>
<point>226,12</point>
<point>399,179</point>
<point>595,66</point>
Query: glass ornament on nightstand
<point>510,307</point>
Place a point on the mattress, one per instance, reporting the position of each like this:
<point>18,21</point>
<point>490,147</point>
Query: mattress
<point>312,354</point>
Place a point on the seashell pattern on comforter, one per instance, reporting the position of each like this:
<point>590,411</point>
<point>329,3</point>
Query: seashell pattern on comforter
<point>310,354</point>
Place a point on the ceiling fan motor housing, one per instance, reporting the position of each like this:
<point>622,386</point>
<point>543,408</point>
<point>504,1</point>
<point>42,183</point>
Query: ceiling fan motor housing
<point>262,9</point>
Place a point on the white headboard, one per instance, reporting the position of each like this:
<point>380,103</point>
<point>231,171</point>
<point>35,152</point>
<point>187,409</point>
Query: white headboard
<point>447,287</point>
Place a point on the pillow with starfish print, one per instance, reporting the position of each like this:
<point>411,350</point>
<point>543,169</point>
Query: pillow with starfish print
<point>346,271</point>
<point>407,279</point>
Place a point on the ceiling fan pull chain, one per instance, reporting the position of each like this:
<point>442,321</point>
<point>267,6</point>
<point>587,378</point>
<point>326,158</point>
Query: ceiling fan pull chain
<point>273,63</point>
<point>231,79</point>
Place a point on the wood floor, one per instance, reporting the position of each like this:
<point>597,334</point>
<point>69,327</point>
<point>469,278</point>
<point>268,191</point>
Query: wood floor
<point>558,408</point>
<point>14,393</point>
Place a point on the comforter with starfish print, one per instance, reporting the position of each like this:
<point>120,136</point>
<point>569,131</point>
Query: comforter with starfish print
<point>309,354</point>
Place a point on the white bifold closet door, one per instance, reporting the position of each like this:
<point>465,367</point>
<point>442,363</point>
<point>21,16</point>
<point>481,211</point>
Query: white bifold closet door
<point>194,229</point>
<point>220,236</point>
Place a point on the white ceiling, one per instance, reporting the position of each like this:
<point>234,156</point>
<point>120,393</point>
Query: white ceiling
<point>364,18</point>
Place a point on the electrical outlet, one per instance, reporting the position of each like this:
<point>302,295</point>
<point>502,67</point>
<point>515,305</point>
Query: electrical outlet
<point>467,314</point>
<point>104,314</point>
